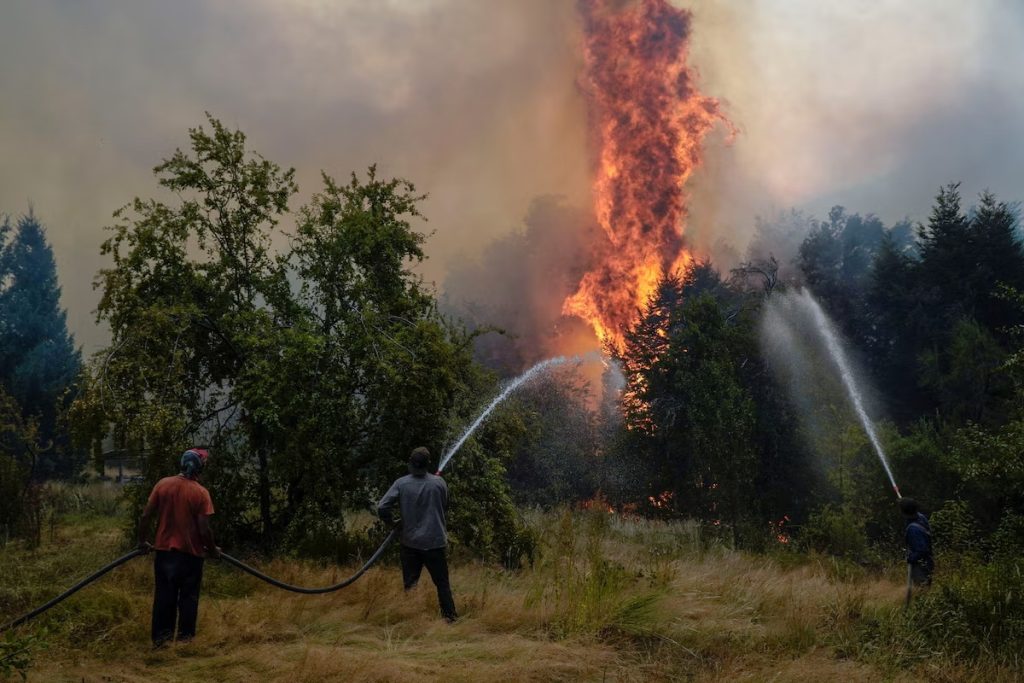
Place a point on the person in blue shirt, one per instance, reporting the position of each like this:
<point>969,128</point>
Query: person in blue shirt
<point>422,500</point>
<point>918,539</point>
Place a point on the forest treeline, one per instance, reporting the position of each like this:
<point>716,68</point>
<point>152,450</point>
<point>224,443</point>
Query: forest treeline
<point>934,316</point>
<point>299,344</point>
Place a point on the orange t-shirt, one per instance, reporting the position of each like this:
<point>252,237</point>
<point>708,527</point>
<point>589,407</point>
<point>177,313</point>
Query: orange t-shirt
<point>178,502</point>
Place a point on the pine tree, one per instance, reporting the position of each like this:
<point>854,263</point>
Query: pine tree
<point>999,261</point>
<point>947,245</point>
<point>38,358</point>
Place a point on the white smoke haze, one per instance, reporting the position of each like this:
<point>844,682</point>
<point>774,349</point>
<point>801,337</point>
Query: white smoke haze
<point>872,104</point>
<point>867,103</point>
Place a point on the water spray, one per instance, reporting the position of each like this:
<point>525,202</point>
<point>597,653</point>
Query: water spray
<point>516,383</point>
<point>835,349</point>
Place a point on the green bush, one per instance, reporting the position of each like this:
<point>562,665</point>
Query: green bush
<point>973,614</point>
<point>324,535</point>
<point>955,529</point>
<point>16,655</point>
<point>978,611</point>
<point>837,531</point>
<point>482,518</point>
<point>1007,542</point>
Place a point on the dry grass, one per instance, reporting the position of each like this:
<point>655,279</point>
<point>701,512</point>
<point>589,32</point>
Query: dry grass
<point>620,601</point>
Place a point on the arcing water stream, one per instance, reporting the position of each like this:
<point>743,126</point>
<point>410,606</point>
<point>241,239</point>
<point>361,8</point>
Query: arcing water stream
<point>835,350</point>
<point>519,381</point>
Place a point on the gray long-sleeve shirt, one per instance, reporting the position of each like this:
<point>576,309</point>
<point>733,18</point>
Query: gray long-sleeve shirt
<point>422,500</point>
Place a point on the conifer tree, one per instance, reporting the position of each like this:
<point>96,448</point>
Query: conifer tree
<point>999,262</point>
<point>38,358</point>
<point>945,272</point>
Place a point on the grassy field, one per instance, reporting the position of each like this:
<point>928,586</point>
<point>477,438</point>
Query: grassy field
<point>609,599</point>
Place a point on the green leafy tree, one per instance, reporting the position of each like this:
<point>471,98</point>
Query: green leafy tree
<point>964,258</point>
<point>967,376</point>
<point>556,461</point>
<point>193,301</point>
<point>716,412</point>
<point>999,263</point>
<point>930,311</point>
<point>899,323</point>
<point>835,261</point>
<point>312,370</point>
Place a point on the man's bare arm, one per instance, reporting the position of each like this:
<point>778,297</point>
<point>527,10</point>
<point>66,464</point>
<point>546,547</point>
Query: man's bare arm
<point>144,522</point>
<point>206,533</point>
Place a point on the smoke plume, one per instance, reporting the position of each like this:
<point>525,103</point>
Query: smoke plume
<point>868,103</point>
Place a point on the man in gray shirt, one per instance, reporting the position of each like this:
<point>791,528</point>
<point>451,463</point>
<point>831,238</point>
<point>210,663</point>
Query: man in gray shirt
<point>422,500</point>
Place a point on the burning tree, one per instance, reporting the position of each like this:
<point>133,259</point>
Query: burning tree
<point>687,399</point>
<point>647,124</point>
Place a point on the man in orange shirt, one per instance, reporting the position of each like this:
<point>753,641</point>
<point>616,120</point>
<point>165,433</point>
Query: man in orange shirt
<point>182,507</point>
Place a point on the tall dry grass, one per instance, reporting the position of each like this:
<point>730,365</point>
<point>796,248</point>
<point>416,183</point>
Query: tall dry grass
<point>609,599</point>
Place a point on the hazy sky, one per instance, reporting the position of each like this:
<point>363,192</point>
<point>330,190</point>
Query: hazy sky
<point>869,103</point>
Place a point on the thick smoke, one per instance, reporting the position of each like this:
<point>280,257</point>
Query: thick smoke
<point>473,102</point>
<point>868,103</point>
<point>519,283</point>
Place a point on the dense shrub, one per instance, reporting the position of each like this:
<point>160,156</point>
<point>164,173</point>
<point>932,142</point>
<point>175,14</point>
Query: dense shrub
<point>836,531</point>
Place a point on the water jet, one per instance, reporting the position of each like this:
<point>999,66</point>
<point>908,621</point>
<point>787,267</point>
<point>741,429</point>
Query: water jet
<point>789,314</point>
<point>512,386</point>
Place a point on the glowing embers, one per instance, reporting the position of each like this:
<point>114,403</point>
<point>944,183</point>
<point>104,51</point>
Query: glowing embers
<point>647,124</point>
<point>662,501</point>
<point>778,532</point>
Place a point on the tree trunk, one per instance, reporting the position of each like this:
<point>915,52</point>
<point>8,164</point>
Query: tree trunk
<point>267,522</point>
<point>258,443</point>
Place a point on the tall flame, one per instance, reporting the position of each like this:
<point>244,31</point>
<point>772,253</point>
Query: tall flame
<point>647,122</point>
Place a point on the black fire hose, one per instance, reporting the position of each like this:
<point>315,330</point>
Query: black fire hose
<point>313,591</point>
<point>71,591</point>
<point>230,560</point>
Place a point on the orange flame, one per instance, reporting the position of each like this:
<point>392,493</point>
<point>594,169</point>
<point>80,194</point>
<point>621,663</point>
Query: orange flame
<point>647,123</point>
<point>662,501</point>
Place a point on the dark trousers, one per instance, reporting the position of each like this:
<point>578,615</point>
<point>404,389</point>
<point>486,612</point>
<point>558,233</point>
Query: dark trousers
<point>176,594</point>
<point>921,572</point>
<point>413,561</point>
